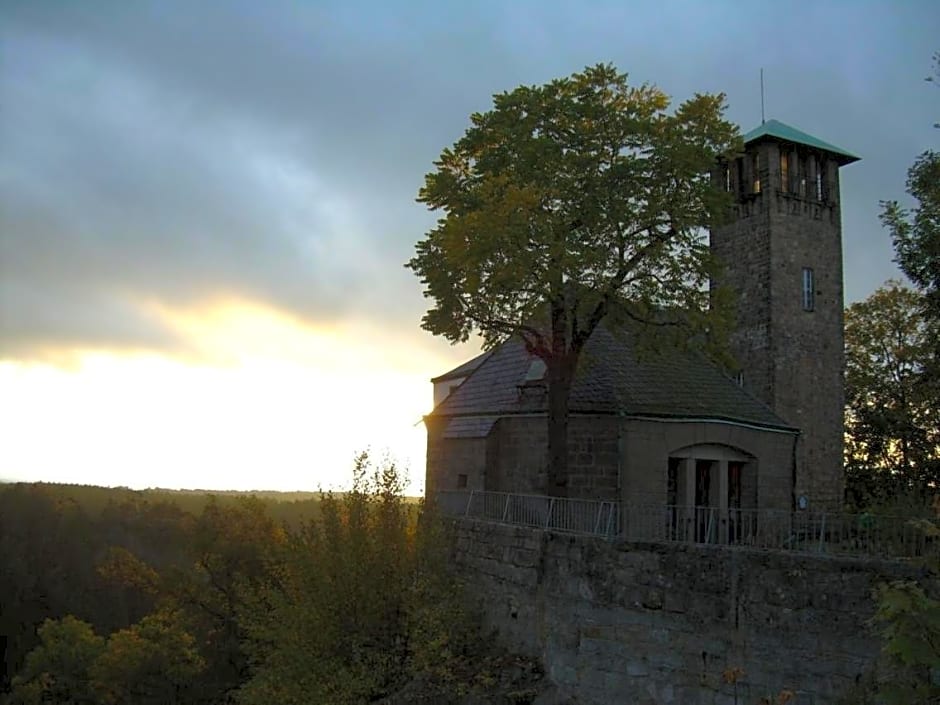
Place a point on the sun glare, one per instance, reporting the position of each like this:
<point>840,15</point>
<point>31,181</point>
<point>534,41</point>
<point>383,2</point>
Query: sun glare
<point>269,403</point>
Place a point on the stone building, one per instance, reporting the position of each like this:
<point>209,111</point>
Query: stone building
<point>672,428</point>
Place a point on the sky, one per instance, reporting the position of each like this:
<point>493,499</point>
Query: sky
<point>205,206</point>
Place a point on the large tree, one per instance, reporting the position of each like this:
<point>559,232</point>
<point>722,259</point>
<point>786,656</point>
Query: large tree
<point>892,398</point>
<point>563,203</point>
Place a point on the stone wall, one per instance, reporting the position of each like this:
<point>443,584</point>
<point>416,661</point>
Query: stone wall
<point>658,624</point>
<point>514,457</point>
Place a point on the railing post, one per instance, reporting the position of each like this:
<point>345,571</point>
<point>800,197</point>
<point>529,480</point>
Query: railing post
<point>466,511</point>
<point>548,516</point>
<point>506,510</point>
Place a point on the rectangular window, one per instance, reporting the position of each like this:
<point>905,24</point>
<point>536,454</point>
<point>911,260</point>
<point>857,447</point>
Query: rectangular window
<point>784,172</point>
<point>809,293</point>
<point>756,172</point>
<point>804,170</point>
<point>461,481</point>
<point>820,170</point>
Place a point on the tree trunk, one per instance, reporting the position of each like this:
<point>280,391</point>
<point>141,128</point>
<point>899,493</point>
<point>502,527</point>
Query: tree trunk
<point>560,375</point>
<point>560,369</point>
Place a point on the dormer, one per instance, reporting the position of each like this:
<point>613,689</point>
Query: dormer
<point>449,381</point>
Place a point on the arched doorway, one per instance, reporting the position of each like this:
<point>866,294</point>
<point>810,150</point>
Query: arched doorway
<point>711,493</point>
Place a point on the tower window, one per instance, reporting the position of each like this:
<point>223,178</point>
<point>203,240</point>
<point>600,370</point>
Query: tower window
<point>820,179</point>
<point>756,173</point>
<point>804,170</point>
<point>809,293</point>
<point>784,172</point>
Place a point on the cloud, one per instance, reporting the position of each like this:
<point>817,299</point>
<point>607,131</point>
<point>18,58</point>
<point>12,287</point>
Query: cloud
<point>181,152</point>
<point>128,192</point>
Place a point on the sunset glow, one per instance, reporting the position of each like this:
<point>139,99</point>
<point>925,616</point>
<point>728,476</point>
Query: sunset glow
<point>265,403</point>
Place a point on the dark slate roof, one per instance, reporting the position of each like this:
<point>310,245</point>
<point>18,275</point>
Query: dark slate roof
<point>470,426</point>
<point>776,130</point>
<point>611,378</point>
<point>464,369</point>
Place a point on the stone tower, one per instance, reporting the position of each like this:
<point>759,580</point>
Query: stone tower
<point>782,252</point>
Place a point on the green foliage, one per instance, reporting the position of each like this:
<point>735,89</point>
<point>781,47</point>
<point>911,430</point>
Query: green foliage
<point>232,547</point>
<point>892,444</point>
<point>154,661</point>
<point>48,549</point>
<point>358,606</point>
<point>58,669</point>
<point>151,662</point>
<point>231,604</point>
<point>915,232</point>
<point>110,557</point>
<point>585,179</point>
<point>909,622</point>
<point>565,204</point>
<point>328,628</point>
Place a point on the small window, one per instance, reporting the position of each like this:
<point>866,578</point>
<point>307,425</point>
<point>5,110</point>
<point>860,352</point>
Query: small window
<point>729,184</point>
<point>461,481</point>
<point>804,170</point>
<point>784,172</point>
<point>756,173</point>
<point>820,180</point>
<point>809,294</point>
<point>739,378</point>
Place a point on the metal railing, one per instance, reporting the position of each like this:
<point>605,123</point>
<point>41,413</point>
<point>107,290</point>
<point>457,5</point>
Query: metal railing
<point>579,516</point>
<point>816,532</point>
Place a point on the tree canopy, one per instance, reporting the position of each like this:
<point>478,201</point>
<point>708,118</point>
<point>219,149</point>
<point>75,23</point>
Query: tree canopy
<point>892,398</point>
<point>564,202</point>
<point>915,232</point>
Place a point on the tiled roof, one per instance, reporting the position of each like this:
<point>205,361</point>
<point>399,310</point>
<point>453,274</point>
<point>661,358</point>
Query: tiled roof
<point>774,129</point>
<point>464,369</point>
<point>611,378</point>
<point>470,426</point>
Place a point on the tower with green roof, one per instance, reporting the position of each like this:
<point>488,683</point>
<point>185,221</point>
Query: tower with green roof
<point>782,252</point>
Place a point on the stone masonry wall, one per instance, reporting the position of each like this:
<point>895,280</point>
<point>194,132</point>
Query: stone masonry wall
<point>658,624</point>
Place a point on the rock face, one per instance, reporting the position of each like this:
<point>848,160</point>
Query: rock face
<point>652,624</point>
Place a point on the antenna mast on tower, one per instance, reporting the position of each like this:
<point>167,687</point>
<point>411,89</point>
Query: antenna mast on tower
<point>762,95</point>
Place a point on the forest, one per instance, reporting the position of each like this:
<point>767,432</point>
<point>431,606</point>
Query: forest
<point>112,596</point>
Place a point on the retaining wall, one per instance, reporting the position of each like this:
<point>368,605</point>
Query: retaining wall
<point>659,624</point>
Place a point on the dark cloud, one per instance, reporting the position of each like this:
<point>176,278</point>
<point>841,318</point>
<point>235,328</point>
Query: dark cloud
<point>171,152</point>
